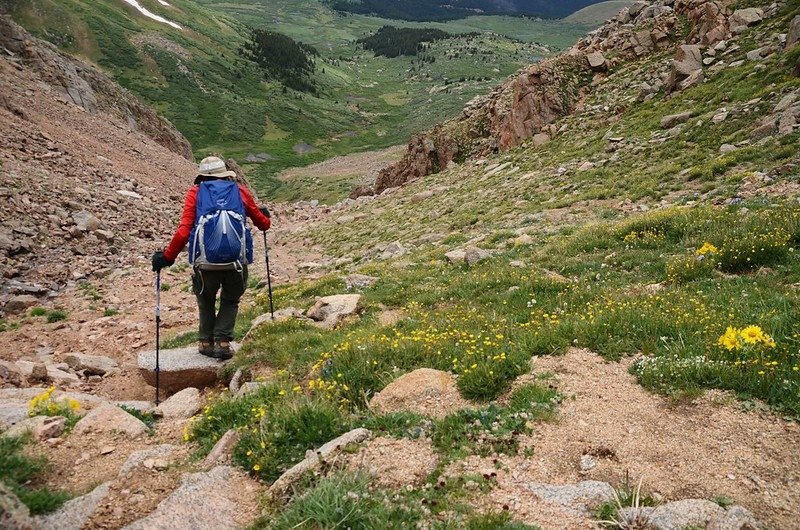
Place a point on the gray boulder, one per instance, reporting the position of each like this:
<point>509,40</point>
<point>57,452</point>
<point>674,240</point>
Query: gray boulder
<point>138,458</point>
<point>394,250</point>
<point>597,62</point>
<point>179,368</point>
<point>182,405</point>
<point>691,513</point>
<point>749,16</point>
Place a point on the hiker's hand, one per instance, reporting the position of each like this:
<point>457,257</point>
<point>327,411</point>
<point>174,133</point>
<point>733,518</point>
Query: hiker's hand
<point>159,261</point>
<point>264,210</point>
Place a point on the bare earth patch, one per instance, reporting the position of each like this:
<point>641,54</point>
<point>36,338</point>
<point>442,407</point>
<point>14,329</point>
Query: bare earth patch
<point>700,450</point>
<point>397,463</point>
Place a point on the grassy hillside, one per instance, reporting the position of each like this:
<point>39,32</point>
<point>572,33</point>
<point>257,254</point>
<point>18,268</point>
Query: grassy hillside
<point>662,247</point>
<point>596,14</point>
<point>222,103</point>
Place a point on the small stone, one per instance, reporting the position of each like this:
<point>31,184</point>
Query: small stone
<point>670,121</point>
<point>588,462</point>
<point>455,256</point>
<point>473,255</point>
<point>107,449</point>
<point>223,448</point>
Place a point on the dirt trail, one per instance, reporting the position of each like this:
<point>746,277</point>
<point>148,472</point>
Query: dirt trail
<point>704,449</point>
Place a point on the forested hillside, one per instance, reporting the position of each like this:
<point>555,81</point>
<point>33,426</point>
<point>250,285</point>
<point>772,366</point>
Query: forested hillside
<point>429,10</point>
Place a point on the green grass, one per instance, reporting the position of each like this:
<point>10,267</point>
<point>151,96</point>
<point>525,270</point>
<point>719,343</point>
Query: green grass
<point>22,474</point>
<point>56,315</point>
<point>222,103</point>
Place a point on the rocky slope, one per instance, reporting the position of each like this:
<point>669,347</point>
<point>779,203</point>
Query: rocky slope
<point>528,106</point>
<point>89,174</point>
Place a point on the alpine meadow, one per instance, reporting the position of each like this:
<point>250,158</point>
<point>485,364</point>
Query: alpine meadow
<point>475,264</point>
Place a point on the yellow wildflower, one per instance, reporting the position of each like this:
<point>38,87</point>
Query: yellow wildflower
<point>753,335</point>
<point>730,340</point>
<point>707,248</point>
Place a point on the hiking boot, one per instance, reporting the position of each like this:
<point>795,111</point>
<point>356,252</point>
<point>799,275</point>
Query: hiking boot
<point>206,347</point>
<point>223,350</point>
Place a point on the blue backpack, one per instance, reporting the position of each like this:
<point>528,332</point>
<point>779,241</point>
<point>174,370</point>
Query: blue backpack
<point>220,238</point>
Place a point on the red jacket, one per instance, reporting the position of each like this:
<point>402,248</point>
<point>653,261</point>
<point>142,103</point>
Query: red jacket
<point>181,236</point>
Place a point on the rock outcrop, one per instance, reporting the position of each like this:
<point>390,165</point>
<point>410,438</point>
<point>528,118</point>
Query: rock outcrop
<point>529,104</point>
<point>84,186</point>
<point>88,87</point>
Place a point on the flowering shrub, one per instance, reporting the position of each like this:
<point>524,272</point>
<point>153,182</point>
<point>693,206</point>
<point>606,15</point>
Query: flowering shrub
<point>684,269</point>
<point>45,404</point>
<point>749,250</point>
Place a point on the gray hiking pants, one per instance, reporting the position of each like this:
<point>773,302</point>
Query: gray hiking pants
<point>218,326</point>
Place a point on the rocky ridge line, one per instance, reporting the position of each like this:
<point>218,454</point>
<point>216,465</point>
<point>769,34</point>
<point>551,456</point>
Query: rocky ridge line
<point>528,106</point>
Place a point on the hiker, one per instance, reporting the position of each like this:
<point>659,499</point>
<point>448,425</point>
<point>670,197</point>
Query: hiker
<point>220,248</point>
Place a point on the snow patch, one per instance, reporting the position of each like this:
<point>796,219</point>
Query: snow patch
<point>150,14</point>
<point>163,3</point>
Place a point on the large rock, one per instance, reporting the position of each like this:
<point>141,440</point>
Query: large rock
<point>329,311</point>
<point>793,36</point>
<point>597,62</point>
<point>108,418</point>
<point>580,498</point>
<point>85,221</point>
<point>670,121</point>
<point>179,368</point>
<point>749,16</point>
<point>316,459</point>
<point>14,515</point>
<point>75,513</point>
<point>394,250</point>
<point>473,255</point>
<point>688,61</point>
<point>203,500</point>
<point>91,364</point>
<point>456,256</point>
<point>182,405</point>
<point>40,427</point>
<point>424,391</point>
<point>281,315</point>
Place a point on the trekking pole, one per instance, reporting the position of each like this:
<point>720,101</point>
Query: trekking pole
<point>158,330</point>
<point>269,277</point>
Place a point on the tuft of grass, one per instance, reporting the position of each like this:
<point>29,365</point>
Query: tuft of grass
<point>56,315</point>
<point>38,312</point>
<point>344,500</point>
<point>148,418</point>
<point>21,473</point>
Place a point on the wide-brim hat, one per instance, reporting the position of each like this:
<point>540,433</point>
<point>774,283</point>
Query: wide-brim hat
<point>212,166</point>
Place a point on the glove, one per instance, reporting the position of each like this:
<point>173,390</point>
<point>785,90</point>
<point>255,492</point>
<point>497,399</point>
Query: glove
<point>159,261</point>
<point>264,210</point>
